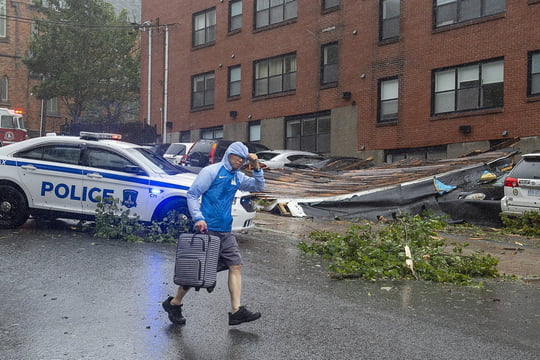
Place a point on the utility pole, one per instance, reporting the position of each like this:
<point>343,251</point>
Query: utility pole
<point>148,24</point>
<point>166,85</point>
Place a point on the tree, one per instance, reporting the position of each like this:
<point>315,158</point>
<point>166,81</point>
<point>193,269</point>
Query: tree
<point>86,55</point>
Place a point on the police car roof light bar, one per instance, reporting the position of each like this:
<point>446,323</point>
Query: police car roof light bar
<point>87,135</point>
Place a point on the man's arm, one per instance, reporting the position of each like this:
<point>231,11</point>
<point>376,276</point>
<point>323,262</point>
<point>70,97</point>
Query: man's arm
<point>255,183</point>
<point>198,188</point>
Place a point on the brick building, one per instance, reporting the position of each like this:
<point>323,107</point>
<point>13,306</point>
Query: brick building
<point>388,79</point>
<point>15,81</point>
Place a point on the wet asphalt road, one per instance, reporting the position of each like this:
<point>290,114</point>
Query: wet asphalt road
<point>66,295</point>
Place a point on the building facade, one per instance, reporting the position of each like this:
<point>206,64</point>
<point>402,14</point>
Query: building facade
<point>389,79</point>
<point>15,81</point>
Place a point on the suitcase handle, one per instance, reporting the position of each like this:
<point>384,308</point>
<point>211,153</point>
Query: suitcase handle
<point>193,238</point>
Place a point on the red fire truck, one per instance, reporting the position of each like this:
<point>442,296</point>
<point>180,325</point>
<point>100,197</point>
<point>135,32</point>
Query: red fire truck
<point>12,127</point>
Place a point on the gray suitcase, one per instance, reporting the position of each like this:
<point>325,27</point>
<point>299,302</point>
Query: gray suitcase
<point>197,261</point>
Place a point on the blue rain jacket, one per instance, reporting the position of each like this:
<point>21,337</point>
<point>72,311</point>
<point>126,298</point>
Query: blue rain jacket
<point>216,186</point>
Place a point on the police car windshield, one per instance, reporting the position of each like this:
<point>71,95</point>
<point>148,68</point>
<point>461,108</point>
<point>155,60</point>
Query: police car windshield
<point>157,163</point>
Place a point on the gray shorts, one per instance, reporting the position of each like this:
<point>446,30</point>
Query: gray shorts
<point>229,252</point>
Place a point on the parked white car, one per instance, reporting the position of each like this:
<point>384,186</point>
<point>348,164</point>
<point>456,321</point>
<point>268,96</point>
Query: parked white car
<point>176,151</point>
<point>66,176</point>
<point>276,159</point>
<point>522,186</point>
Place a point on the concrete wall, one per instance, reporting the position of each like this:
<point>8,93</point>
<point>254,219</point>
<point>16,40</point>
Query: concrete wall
<point>344,127</point>
<point>529,144</point>
<point>235,131</point>
<point>272,133</point>
<point>459,149</point>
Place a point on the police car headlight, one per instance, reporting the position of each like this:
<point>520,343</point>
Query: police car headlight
<point>247,203</point>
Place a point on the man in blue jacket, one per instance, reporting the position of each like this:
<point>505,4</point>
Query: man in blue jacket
<point>210,201</point>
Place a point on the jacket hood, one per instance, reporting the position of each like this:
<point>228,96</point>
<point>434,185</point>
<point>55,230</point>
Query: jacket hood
<point>236,148</point>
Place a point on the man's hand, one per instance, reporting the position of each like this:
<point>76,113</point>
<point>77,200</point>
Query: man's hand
<point>200,226</point>
<point>253,161</point>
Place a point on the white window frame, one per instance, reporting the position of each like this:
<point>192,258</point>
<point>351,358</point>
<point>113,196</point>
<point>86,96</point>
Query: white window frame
<point>467,87</point>
<point>4,89</point>
<point>388,100</point>
<point>52,106</point>
<point>235,80</point>
<point>3,19</point>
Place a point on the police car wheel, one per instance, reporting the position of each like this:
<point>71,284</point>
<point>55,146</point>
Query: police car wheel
<point>13,207</point>
<point>178,205</point>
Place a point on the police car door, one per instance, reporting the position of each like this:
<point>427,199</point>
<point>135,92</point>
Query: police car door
<point>112,175</point>
<point>53,176</point>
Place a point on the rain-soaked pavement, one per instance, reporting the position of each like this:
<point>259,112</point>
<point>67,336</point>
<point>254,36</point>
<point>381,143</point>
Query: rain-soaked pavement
<point>66,295</point>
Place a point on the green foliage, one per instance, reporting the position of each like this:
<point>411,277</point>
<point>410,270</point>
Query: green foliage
<point>527,224</point>
<point>112,222</point>
<point>371,255</point>
<point>86,54</point>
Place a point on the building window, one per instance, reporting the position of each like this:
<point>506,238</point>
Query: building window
<point>185,137</point>
<point>469,87</point>
<point>202,93</point>
<point>424,153</point>
<point>3,19</point>
<point>388,100</point>
<point>534,74</point>
<point>275,75</point>
<point>4,89</point>
<point>235,15</point>
<point>212,133</point>
<point>45,3</point>
<point>330,4</point>
<point>52,106</point>
<point>389,19</point>
<point>309,132</point>
<point>329,64</point>
<point>204,27</point>
<point>255,131</point>
<point>449,12</point>
<point>235,77</point>
<point>270,12</point>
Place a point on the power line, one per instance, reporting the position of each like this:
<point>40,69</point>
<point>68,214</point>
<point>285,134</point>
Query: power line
<point>88,26</point>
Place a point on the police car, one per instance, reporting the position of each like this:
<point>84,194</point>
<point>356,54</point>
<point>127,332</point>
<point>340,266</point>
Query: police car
<point>66,177</point>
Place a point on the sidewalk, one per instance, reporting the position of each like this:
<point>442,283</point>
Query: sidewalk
<point>517,255</point>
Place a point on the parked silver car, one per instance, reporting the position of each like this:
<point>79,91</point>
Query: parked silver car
<point>522,186</point>
<point>276,159</point>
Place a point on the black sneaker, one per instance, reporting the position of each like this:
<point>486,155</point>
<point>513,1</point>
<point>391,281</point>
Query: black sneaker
<point>243,315</point>
<point>174,311</point>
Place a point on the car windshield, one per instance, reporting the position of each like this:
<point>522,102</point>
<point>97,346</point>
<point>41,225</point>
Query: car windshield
<point>307,160</point>
<point>175,149</point>
<point>7,122</point>
<point>157,163</point>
